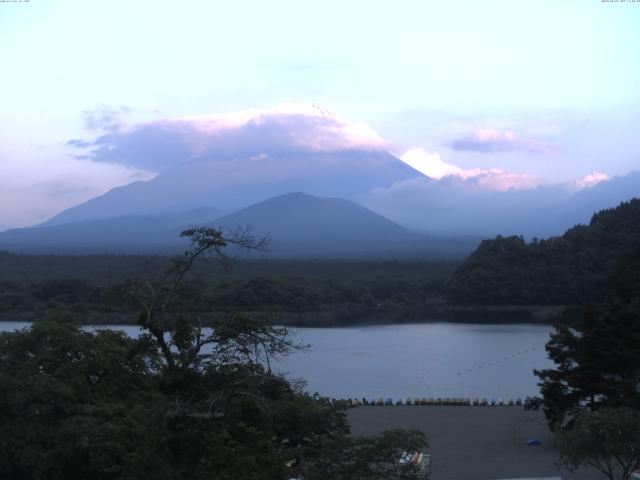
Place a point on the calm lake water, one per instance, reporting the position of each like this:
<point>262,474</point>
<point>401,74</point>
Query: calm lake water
<point>413,360</point>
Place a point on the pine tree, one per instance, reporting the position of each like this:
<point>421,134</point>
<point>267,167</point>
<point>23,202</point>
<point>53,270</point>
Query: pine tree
<point>598,358</point>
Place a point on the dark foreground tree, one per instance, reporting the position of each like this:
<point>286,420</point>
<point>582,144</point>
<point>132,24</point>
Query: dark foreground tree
<point>166,308</point>
<point>597,363</point>
<point>179,402</point>
<point>597,358</point>
<point>607,439</point>
<point>75,404</point>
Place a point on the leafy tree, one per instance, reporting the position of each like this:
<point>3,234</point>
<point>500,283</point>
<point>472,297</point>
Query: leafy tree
<point>178,402</point>
<point>75,404</point>
<point>607,439</point>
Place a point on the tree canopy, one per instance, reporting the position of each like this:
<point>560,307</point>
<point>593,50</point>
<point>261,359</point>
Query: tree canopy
<point>179,402</point>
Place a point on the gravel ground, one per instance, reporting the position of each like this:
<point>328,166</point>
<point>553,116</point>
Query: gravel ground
<point>474,443</point>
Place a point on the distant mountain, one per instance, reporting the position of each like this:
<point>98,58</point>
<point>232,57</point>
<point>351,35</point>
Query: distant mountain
<point>235,183</point>
<point>452,206</point>
<point>570,269</point>
<point>125,234</point>
<point>297,219</point>
<point>604,195</point>
<point>299,226</point>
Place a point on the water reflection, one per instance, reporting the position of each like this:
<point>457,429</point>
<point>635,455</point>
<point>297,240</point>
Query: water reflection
<point>415,360</point>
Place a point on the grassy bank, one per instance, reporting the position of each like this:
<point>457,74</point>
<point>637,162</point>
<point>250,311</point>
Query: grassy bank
<point>340,316</point>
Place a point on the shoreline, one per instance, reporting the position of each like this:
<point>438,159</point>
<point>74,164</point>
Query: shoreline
<point>478,314</point>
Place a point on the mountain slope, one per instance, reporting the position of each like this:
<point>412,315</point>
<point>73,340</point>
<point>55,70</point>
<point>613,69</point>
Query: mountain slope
<point>125,234</point>
<point>304,226</point>
<point>300,223</point>
<point>299,226</point>
<point>235,183</point>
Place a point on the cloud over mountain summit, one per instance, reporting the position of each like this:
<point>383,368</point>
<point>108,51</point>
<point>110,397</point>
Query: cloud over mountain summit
<point>287,128</point>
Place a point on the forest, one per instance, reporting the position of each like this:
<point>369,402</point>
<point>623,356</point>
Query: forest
<point>289,292</point>
<point>572,269</point>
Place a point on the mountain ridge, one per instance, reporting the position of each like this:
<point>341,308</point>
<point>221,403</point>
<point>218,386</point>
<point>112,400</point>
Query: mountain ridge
<point>237,183</point>
<point>299,225</point>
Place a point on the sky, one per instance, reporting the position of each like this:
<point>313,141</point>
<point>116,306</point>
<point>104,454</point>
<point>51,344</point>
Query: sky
<point>530,92</point>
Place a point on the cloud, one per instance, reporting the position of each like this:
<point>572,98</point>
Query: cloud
<point>481,205</point>
<point>454,206</point>
<point>78,143</point>
<point>430,164</point>
<point>287,128</point>
<point>486,140</point>
<point>588,181</point>
<point>500,180</point>
<point>104,117</point>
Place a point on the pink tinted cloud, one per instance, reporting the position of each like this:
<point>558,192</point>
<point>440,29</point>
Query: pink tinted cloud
<point>588,181</point>
<point>287,128</point>
<point>494,179</point>
<point>500,180</point>
<point>307,125</point>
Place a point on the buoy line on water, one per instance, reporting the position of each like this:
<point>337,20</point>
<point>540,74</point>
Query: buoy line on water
<point>439,401</point>
<point>495,362</point>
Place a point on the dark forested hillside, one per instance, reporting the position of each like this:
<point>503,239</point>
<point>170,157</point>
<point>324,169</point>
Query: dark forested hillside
<point>571,269</point>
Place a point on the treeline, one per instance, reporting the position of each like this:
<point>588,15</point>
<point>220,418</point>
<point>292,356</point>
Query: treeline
<point>117,268</point>
<point>573,269</point>
<point>327,292</point>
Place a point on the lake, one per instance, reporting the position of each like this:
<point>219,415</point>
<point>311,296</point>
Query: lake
<point>490,361</point>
